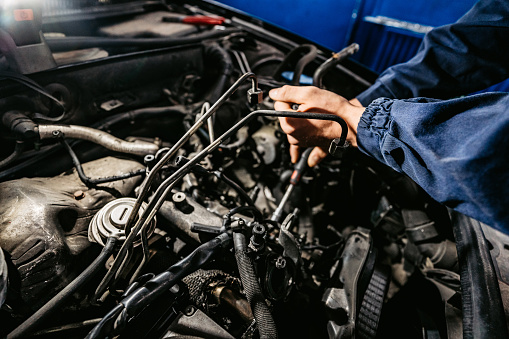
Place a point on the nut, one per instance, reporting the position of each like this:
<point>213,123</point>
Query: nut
<point>78,195</point>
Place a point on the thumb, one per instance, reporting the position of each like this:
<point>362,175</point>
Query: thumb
<point>316,156</point>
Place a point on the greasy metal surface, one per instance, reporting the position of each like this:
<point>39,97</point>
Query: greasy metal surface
<point>198,324</point>
<point>183,221</point>
<point>44,227</point>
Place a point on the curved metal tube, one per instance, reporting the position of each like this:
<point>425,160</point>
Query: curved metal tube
<point>166,186</point>
<point>96,136</point>
<point>145,186</point>
<point>331,62</point>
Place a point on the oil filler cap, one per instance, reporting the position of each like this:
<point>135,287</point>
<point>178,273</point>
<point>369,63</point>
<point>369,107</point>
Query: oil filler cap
<point>111,220</point>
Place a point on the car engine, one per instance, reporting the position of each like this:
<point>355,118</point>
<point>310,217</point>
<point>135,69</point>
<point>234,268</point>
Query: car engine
<point>147,191</point>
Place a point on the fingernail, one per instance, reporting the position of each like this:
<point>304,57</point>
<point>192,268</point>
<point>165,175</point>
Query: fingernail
<point>273,92</point>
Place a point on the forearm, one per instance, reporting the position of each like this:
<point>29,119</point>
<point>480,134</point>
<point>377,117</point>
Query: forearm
<point>456,150</point>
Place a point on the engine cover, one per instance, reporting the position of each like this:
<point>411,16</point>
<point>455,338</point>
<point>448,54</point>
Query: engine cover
<point>45,222</point>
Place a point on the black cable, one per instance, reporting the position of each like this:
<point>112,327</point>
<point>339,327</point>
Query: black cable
<point>236,187</point>
<point>26,81</point>
<point>223,63</point>
<point>107,324</point>
<point>141,113</point>
<point>56,302</point>
<point>18,150</point>
<point>89,182</point>
<point>130,306</point>
<point>332,62</point>
<point>239,209</point>
<point>266,60</point>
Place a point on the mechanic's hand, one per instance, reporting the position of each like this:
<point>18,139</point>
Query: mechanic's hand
<point>309,132</point>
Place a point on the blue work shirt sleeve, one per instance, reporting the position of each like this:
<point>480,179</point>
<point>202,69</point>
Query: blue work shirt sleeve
<point>458,59</point>
<point>456,150</point>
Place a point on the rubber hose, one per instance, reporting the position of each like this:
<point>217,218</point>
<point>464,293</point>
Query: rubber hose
<point>56,302</point>
<point>264,321</point>
<point>222,59</point>
<point>310,53</point>
<point>483,311</point>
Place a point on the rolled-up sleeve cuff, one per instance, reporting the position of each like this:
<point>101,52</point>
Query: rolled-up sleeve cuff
<point>373,125</point>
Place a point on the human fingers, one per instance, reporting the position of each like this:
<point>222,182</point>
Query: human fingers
<point>294,94</point>
<point>294,153</point>
<point>282,106</point>
<point>294,125</point>
<point>316,156</point>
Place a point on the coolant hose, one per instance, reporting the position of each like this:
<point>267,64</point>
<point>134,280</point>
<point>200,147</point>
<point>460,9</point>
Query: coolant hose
<point>483,311</point>
<point>56,302</point>
<point>221,59</point>
<point>265,322</point>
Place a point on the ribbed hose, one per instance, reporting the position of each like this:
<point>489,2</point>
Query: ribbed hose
<point>483,311</point>
<point>264,321</point>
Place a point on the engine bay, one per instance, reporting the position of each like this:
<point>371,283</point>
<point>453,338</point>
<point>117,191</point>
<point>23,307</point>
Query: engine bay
<point>147,192</point>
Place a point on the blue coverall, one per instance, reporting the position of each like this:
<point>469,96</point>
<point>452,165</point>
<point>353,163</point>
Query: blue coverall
<point>456,148</point>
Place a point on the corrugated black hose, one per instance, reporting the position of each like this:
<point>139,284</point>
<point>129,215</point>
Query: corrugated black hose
<point>56,302</point>
<point>483,311</point>
<point>264,321</point>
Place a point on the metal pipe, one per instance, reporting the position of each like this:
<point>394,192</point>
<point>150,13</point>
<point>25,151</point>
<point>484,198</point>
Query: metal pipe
<point>96,136</point>
<point>333,61</point>
<point>279,210</point>
<point>166,186</point>
<point>145,186</point>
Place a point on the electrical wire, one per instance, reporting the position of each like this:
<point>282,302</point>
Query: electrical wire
<point>89,182</point>
<point>18,150</point>
<point>56,302</point>
<point>26,81</point>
